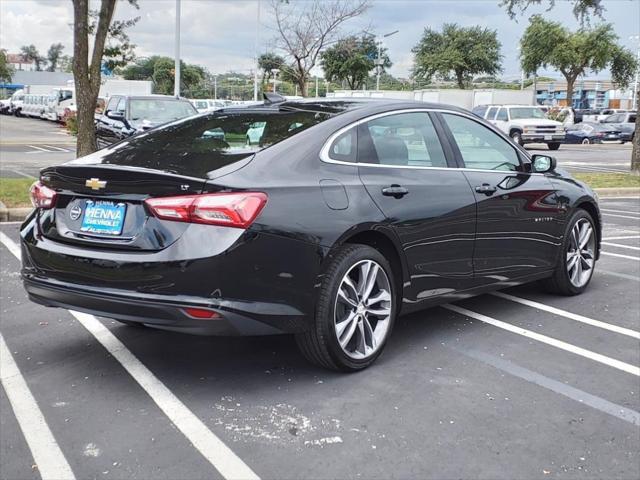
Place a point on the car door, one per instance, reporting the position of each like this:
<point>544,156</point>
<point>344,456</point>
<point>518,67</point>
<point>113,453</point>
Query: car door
<point>429,205</point>
<point>519,221</point>
<point>502,119</point>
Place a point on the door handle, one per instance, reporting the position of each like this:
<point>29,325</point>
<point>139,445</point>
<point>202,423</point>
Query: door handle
<point>486,189</point>
<point>395,191</point>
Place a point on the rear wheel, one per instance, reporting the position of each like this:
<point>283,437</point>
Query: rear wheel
<point>586,141</point>
<point>355,311</point>
<point>575,268</point>
<point>553,146</point>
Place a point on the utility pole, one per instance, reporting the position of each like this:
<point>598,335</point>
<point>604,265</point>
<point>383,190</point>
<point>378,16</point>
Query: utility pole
<point>257,47</point>
<point>379,61</point>
<point>634,100</point>
<point>176,83</point>
<point>275,75</point>
<point>215,87</point>
<point>316,86</point>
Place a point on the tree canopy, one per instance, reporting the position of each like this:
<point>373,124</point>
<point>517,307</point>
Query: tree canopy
<point>549,44</point>
<point>582,9</point>
<point>6,70</point>
<point>30,53</point>
<point>268,62</point>
<point>351,59</point>
<point>161,70</point>
<point>459,51</point>
<point>53,56</point>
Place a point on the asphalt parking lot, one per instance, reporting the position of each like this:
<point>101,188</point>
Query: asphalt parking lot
<point>527,385</point>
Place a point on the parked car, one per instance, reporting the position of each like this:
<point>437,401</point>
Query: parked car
<point>589,132</point>
<point>524,124</point>
<point>60,101</point>
<point>16,101</point>
<point>349,213</point>
<point>207,105</point>
<point>125,116</point>
<point>625,122</point>
<point>5,106</point>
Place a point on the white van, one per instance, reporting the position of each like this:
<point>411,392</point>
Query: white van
<point>59,100</point>
<point>34,105</point>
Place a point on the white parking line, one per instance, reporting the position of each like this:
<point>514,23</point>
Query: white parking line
<point>624,237</point>
<point>566,314</point>
<point>47,455</point>
<point>619,216</point>
<point>57,148</point>
<point>618,211</point>
<point>596,357</point>
<point>629,257</point>
<point>618,245</point>
<point>39,148</point>
<point>204,440</point>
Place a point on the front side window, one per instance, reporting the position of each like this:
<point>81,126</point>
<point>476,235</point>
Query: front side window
<point>480,147</point>
<point>405,139</point>
<point>113,103</point>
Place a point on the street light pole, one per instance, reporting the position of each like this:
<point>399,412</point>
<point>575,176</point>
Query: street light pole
<point>635,84</point>
<point>215,87</point>
<point>257,47</point>
<point>176,83</point>
<point>275,75</point>
<point>379,61</point>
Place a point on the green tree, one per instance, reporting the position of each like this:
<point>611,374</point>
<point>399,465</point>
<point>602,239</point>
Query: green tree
<point>87,64</point>
<point>351,59</point>
<point>546,43</point>
<point>582,9</point>
<point>192,77</point>
<point>30,52</point>
<point>6,70</point>
<point>53,56</point>
<point>119,51</point>
<point>268,62</point>
<point>459,51</point>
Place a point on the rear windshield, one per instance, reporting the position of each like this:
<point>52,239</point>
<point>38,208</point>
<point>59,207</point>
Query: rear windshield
<point>198,145</point>
<point>159,111</point>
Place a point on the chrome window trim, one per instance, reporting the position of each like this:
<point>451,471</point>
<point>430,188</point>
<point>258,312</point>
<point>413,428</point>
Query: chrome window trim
<point>324,152</point>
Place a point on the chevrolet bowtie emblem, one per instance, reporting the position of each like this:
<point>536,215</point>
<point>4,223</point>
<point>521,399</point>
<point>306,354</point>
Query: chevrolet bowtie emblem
<point>95,183</point>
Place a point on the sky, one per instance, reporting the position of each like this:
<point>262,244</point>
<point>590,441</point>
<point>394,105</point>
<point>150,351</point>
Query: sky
<point>221,34</point>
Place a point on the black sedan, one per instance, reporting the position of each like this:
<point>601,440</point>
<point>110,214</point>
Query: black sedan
<point>345,215</point>
<point>587,133</point>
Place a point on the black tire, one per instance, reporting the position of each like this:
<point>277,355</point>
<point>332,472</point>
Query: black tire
<point>586,141</point>
<point>560,283</point>
<point>553,146</point>
<point>516,136</point>
<point>320,345</point>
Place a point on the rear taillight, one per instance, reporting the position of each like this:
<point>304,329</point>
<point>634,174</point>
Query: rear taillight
<point>236,209</point>
<point>42,196</point>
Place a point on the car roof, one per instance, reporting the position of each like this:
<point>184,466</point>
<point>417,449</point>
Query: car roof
<point>148,97</point>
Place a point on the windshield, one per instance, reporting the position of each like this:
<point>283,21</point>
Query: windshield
<point>159,110</point>
<point>198,145</point>
<point>520,113</point>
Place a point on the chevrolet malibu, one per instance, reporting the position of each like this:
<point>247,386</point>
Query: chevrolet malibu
<point>343,215</point>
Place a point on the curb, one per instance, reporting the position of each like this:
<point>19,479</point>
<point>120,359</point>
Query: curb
<point>14,214</point>
<point>618,192</point>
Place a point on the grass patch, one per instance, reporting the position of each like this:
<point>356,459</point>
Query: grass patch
<point>609,180</point>
<point>14,192</point>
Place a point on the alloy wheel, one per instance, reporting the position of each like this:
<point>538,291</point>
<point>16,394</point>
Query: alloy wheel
<point>363,308</point>
<point>580,254</point>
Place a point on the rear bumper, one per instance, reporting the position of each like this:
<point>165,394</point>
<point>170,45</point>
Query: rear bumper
<point>233,318</point>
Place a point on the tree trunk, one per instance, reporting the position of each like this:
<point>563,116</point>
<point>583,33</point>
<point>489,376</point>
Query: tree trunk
<point>570,83</point>
<point>460,79</point>
<point>635,153</point>
<point>87,76</point>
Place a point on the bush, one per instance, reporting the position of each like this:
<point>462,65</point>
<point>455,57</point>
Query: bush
<point>70,122</point>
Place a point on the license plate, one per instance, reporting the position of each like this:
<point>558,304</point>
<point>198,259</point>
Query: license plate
<point>103,217</point>
<point>548,137</point>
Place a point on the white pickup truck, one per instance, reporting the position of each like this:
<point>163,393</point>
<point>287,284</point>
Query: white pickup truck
<point>524,124</point>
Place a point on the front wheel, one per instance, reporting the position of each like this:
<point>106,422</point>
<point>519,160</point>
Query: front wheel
<point>553,146</point>
<point>355,311</point>
<point>586,141</point>
<point>575,268</point>
<point>517,137</point>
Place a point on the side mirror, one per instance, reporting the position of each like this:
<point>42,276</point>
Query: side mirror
<point>543,163</point>
<point>114,115</point>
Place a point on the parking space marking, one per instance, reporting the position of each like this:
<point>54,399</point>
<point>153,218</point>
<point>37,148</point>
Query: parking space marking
<point>619,216</point>
<point>573,393</point>
<point>629,257</point>
<point>573,316</point>
<point>619,211</point>
<point>223,459</point>
<point>46,452</point>
<point>596,357</point>
<point>38,148</point>
<point>621,275</point>
<point>619,245</point>
<point>58,148</point>
<point>624,237</point>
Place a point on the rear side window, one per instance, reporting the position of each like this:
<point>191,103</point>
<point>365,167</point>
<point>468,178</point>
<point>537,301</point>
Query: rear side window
<point>480,147</point>
<point>343,148</point>
<point>502,115</point>
<point>404,139</point>
<point>492,113</point>
<point>479,111</point>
